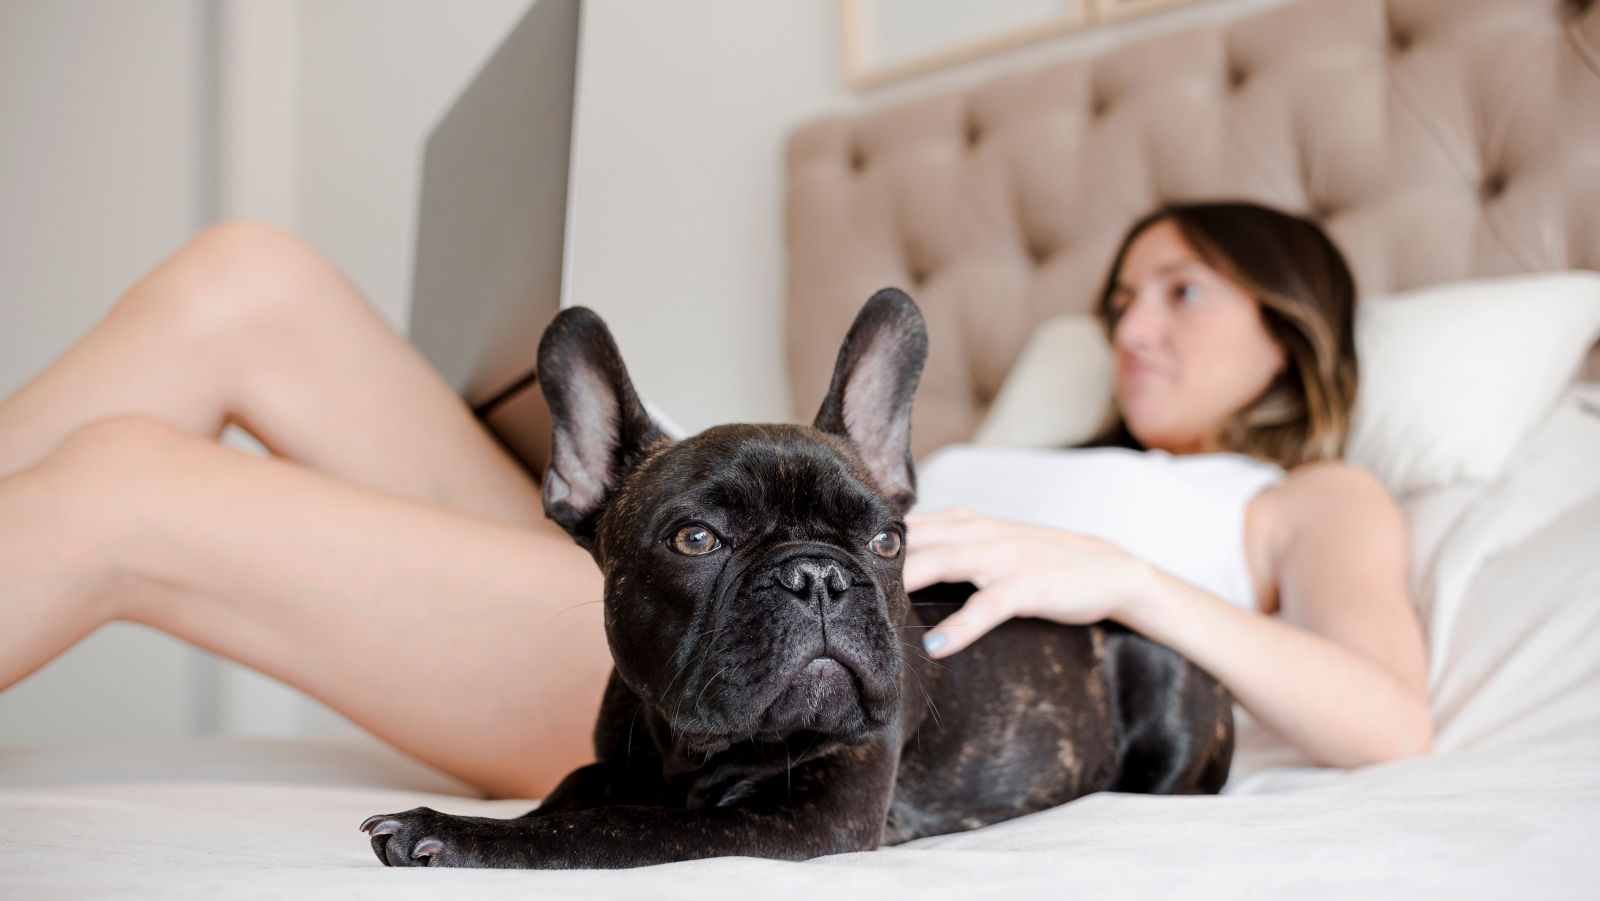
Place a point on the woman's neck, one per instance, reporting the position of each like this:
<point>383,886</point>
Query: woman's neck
<point>1206,444</point>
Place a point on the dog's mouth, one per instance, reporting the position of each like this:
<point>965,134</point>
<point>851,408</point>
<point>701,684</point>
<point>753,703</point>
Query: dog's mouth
<point>823,680</point>
<point>823,692</point>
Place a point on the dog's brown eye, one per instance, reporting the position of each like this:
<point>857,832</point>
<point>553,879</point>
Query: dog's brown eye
<point>694,541</point>
<point>886,543</point>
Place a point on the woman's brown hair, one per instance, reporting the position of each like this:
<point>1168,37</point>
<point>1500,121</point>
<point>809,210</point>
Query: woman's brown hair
<point>1306,297</point>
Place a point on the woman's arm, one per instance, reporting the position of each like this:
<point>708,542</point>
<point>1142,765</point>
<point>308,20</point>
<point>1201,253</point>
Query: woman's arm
<point>1341,672</point>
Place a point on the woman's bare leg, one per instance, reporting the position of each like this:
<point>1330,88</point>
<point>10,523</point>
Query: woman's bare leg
<point>473,644</point>
<point>249,324</point>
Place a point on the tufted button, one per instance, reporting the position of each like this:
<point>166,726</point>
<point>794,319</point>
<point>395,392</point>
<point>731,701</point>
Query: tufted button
<point>1321,211</point>
<point>919,276</point>
<point>1100,100</point>
<point>1494,184</point>
<point>1039,253</point>
<point>974,132</point>
<point>1400,40</point>
<point>982,396</point>
<point>1237,76</point>
<point>858,158</point>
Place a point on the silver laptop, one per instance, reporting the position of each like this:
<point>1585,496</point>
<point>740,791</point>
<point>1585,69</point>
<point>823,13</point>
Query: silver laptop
<point>492,227</point>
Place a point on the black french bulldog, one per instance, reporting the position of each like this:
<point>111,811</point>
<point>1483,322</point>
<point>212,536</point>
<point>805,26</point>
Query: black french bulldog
<point>769,697</point>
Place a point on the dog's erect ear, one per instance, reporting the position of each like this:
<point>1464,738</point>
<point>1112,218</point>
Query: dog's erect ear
<point>869,399</point>
<point>600,428</point>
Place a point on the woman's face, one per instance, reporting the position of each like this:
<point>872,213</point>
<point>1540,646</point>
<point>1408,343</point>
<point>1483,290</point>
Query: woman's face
<point>1190,346</point>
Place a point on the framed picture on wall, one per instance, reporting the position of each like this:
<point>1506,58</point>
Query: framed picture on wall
<point>888,40</point>
<point>1112,10</point>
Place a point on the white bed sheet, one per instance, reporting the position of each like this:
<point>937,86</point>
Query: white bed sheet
<point>1508,804</point>
<point>1487,823</point>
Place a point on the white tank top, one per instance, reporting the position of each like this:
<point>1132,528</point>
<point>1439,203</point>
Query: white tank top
<point>1183,514</point>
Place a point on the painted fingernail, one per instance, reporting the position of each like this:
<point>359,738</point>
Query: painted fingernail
<point>932,642</point>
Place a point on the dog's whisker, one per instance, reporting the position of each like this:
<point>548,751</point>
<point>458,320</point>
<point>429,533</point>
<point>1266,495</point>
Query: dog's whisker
<point>788,770</point>
<point>703,688</point>
<point>558,613</point>
<point>925,696</point>
<point>704,653</point>
<point>922,655</point>
<point>689,664</point>
<point>700,657</point>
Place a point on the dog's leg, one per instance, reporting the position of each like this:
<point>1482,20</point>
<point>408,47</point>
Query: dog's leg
<point>598,785</point>
<point>826,806</point>
<point>628,771</point>
<point>1174,720</point>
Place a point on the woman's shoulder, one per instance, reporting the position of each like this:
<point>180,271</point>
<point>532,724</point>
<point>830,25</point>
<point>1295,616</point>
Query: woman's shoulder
<point>1324,507</point>
<point>1334,478</point>
<point>1329,492</point>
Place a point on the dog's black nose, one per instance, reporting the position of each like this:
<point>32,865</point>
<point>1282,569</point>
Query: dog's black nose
<point>810,577</point>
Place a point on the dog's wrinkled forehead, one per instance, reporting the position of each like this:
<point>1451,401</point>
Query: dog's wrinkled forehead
<point>755,478</point>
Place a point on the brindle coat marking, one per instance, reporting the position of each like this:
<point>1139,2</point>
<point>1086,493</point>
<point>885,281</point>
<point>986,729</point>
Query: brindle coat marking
<point>722,731</point>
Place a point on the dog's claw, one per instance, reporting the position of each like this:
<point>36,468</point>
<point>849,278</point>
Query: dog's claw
<point>380,824</point>
<point>415,838</point>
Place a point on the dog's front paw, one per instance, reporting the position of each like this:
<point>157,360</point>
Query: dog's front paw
<point>419,837</point>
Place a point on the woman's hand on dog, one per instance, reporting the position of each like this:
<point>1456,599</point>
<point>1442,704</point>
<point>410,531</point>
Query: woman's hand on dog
<point>1019,569</point>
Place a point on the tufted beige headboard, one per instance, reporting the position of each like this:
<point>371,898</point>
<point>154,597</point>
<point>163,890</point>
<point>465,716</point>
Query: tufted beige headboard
<point>1434,139</point>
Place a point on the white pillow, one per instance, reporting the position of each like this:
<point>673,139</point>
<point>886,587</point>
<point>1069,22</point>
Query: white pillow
<point>1057,391</point>
<point>1453,376</point>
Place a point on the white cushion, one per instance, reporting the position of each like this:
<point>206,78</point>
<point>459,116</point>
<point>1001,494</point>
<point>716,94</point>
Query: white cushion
<point>1453,376</point>
<point>1057,391</point>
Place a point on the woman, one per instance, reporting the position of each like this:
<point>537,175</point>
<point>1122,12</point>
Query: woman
<point>391,560</point>
<point>1232,331</point>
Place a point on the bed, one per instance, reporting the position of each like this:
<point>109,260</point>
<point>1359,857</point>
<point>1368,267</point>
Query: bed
<point>1438,142</point>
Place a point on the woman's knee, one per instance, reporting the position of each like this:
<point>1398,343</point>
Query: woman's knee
<point>127,444</point>
<point>106,470</point>
<point>246,281</point>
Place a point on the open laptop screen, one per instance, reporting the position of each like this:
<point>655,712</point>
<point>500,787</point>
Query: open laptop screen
<point>492,227</point>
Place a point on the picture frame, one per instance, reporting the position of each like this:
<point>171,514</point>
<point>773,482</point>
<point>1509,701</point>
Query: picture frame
<point>885,41</point>
<point>1117,10</point>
